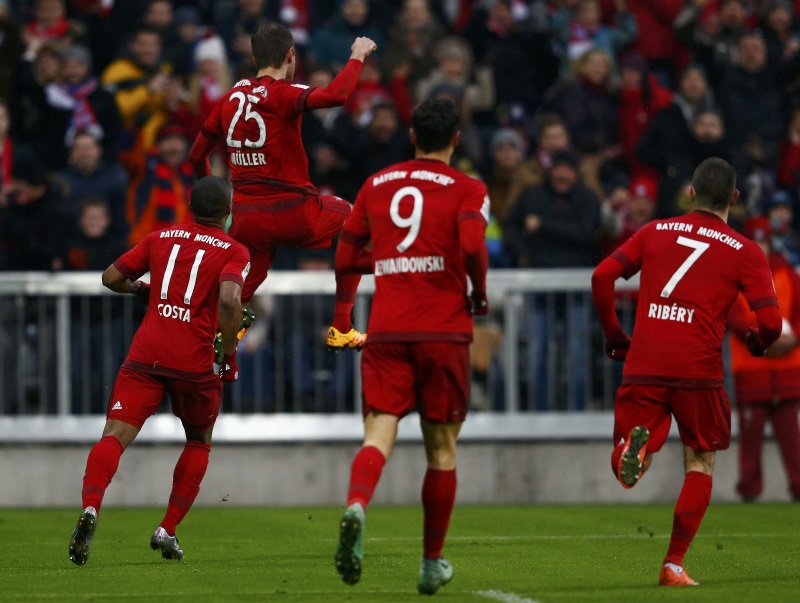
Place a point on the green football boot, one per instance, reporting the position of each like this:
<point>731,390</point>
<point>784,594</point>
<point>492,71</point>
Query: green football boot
<point>248,318</point>
<point>351,544</point>
<point>433,573</point>
<point>80,543</point>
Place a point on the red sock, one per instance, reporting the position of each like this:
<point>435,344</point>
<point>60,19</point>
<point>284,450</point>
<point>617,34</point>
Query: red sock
<point>438,497</point>
<point>189,472</point>
<point>346,287</point>
<point>689,510</point>
<point>364,475</point>
<point>101,465</point>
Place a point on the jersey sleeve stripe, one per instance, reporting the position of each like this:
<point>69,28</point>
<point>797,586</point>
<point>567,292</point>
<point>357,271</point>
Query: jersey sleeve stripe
<point>764,302</point>
<point>235,278</point>
<point>352,238</point>
<point>125,269</point>
<point>627,264</point>
<point>301,100</point>
<point>471,215</point>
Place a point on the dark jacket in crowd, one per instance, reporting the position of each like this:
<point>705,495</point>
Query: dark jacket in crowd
<point>85,253</point>
<point>568,235</point>
<point>590,114</point>
<point>107,182</point>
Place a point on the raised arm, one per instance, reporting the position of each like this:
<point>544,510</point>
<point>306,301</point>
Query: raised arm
<point>336,93</point>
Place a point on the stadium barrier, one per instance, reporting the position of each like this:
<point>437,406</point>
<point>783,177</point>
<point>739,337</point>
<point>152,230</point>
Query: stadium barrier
<point>539,351</point>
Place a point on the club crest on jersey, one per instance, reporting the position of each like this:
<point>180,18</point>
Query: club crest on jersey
<point>260,89</point>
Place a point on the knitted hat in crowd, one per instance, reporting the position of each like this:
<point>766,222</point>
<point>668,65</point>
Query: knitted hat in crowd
<point>507,136</point>
<point>186,15</point>
<point>645,187</point>
<point>565,158</point>
<point>170,130</point>
<point>210,49</point>
<point>757,228</point>
<point>80,53</point>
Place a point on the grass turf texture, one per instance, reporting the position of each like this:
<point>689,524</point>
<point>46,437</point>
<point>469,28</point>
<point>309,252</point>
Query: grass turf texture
<point>535,553</point>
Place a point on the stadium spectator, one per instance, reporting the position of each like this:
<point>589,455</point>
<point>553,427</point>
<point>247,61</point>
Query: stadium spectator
<point>92,244</point>
<point>641,97</point>
<point>785,240</point>
<point>750,95</point>
<point>588,105</point>
<point>329,126</point>
<point>89,176</point>
<point>455,66</point>
<point>427,370</point>
<point>580,29</point>
<point>6,153</point>
<point>768,387</point>
<point>271,184</point>
<point>236,26</point>
<point>190,32</point>
<point>674,364</point>
<point>49,24</point>
<point>329,43</point>
<point>11,49</point>
<point>411,40</point>
<point>77,103</point>
<point>29,99</point>
<point>788,172</point>
<point>469,155</point>
<point>657,41</point>
<point>716,33</point>
<point>139,82</point>
<point>370,91</point>
<point>556,225</point>
<point>780,29</point>
<point>211,80</point>
<point>380,144</point>
<point>497,40</point>
<point>162,195</point>
<point>667,139</point>
<point>626,211</point>
<point>33,220</point>
<point>507,160</point>
<point>170,356</point>
<point>159,17</point>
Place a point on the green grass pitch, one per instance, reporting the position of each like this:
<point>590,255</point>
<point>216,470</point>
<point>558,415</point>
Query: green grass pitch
<point>513,554</point>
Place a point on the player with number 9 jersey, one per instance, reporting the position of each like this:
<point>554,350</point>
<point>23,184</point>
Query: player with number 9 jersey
<point>410,212</point>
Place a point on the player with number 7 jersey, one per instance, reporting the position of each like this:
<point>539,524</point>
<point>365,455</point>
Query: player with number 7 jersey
<point>692,269</point>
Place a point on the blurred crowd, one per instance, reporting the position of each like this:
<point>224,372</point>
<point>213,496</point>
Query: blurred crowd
<point>586,118</point>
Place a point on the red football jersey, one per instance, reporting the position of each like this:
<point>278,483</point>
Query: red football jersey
<point>692,270</point>
<point>410,212</point>
<point>186,265</point>
<point>259,119</point>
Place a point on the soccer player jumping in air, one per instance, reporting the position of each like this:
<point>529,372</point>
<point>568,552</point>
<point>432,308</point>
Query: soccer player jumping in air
<point>425,222</point>
<point>197,273</point>
<point>274,202</point>
<point>692,270</point>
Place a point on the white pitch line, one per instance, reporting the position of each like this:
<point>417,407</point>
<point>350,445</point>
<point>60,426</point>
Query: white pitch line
<point>583,537</point>
<point>503,597</point>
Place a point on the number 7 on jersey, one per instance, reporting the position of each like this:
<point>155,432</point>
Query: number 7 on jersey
<point>699,249</point>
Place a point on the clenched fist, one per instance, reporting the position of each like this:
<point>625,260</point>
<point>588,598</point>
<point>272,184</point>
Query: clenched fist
<point>362,48</point>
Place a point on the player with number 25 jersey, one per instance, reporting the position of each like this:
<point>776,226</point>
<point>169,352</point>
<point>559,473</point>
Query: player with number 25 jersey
<point>692,270</point>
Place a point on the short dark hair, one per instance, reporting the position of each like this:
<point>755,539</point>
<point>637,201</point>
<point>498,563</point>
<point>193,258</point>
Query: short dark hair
<point>714,183</point>
<point>211,198</point>
<point>271,42</point>
<point>435,122</point>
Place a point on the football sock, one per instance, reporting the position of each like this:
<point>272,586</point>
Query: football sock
<point>346,287</point>
<point>101,465</point>
<point>189,472</point>
<point>689,510</point>
<point>438,497</point>
<point>364,475</point>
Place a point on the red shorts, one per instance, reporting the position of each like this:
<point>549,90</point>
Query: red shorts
<point>136,396</point>
<point>432,377</point>
<point>703,415</point>
<point>309,222</point>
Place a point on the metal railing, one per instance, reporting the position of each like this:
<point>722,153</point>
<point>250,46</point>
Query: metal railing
<point>64,336</point>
